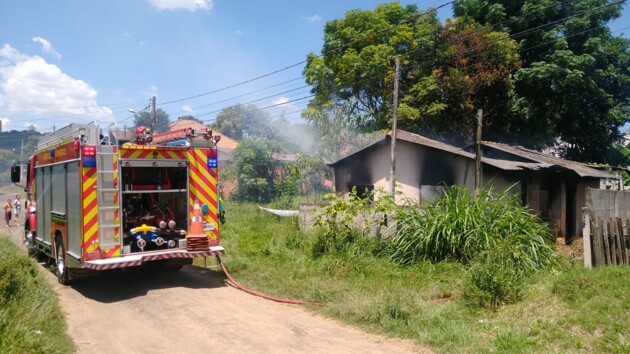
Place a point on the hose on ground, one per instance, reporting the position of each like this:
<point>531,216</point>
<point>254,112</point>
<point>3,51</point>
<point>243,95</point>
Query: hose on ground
<point>264,296</point>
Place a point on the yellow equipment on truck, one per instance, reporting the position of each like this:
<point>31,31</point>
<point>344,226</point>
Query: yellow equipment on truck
<point>103,203</point>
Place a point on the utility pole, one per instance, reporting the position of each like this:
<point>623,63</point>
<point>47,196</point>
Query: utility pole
<point>478,152</point>
<point>392,170</point>
<point>153,116</point>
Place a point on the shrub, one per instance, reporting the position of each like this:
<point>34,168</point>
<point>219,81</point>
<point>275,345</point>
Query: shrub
<point>462,225</point>
<point>344,224</point>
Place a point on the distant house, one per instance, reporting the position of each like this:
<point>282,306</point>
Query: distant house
<point>226,145</point>
<point>552,187</point>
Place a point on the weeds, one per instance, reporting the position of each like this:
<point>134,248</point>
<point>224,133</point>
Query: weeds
<point>30,318</point>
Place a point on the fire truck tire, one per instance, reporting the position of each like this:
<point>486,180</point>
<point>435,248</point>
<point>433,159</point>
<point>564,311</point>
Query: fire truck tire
<point>61,269</point>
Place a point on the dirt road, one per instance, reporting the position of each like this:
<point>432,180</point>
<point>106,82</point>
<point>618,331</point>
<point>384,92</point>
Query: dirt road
<point>194,311</point>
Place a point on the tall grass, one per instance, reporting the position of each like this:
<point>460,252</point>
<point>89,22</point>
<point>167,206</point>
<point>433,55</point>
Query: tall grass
<point>30,318</point>
<point>463,225</point>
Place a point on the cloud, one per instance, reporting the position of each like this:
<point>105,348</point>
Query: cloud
<point>238,33</point>
<point>33,90</point>
<point>190,5</point>
<point>141,44</point>
<point>280,101</point>
<point>47,47</point>
<point>313,19</point>
<point>188,109</point>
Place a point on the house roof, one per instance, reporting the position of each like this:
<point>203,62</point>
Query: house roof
<point>226,143</point>
<point>513,158</point>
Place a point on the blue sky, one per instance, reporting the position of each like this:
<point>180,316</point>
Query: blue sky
<point>78,61</point>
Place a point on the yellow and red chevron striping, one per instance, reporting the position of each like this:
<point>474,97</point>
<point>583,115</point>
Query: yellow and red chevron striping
<point>203,186</point>
<point>90,210</point>
<point>142,152</point>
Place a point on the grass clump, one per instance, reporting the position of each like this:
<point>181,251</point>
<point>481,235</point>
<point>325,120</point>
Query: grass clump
<point>30,318</point>
<point>499,239</point>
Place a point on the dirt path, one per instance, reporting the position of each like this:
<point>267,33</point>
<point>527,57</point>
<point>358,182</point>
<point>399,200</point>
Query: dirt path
<point>194,311</point>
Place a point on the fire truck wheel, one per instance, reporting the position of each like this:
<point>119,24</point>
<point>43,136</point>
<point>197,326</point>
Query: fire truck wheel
<point>63,275</point>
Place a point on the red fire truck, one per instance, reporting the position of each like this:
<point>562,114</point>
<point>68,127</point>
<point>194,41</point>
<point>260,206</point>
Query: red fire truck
<point>102,203</point>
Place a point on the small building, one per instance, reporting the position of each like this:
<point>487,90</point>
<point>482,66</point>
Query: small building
<point>550,186</point>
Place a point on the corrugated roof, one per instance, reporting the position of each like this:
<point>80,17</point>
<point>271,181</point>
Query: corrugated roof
<point>548,160</point>
<point>530,159</point>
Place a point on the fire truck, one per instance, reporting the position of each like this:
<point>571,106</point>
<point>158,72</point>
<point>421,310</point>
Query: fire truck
<point>100,202</point>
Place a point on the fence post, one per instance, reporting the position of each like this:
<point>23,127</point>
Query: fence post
<point>586,237</point>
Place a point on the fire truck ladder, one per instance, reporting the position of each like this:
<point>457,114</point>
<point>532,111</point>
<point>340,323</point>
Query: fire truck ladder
<point>107,175</point>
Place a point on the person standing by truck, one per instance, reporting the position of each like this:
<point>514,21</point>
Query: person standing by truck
<point>17,209</point>
<point>8,208</point>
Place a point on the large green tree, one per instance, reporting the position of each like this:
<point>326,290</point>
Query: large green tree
<point>574,83</point>
<point>356,69</point>
<point>244,121</point>
<point>470,70</point>
<point>146,118</point>
<point>447,72</point>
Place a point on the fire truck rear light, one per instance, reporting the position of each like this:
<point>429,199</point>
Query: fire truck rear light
<point>89,150</point>
<point>89,162</point>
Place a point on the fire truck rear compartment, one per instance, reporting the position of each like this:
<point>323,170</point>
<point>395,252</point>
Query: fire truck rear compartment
<point>154,205</point>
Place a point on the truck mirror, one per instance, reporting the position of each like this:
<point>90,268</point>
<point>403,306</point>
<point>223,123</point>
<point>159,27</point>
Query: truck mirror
<point>15,174</point>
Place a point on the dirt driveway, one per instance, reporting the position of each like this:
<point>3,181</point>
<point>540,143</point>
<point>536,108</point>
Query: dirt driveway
<point>194,311</point>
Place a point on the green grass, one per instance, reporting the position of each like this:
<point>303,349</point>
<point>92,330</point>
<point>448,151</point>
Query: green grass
<point>564,310</point>
<point>31,320</point>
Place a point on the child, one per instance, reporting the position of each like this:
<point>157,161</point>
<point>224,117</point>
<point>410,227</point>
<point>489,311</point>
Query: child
<point>8,208</point>
<point>17,209</point>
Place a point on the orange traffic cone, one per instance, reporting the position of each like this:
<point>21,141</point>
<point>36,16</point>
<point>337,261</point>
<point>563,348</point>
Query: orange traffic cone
<point>196,239</point>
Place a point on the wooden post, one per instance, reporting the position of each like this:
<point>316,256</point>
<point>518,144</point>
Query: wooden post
<point>392,170</point>
<point>609,251</point>
<point>586,232</point>
<point>478,150</point>
<point>601,257</point>
<point>623,257</point>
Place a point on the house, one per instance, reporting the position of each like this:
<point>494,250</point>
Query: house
<point>550,186</point>
<point>226,145</point>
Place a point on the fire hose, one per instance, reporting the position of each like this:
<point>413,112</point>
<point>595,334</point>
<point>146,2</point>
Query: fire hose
<point>290,301</point>
<point>264,296</point>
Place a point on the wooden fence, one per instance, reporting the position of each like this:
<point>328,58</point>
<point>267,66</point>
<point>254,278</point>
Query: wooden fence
<point>605,241</point>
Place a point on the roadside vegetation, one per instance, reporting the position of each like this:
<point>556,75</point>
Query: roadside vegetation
<point>497,284</point>
<point>31,320</point>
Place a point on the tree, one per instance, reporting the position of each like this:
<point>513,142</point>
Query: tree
<point>357,66</point>
<point>146,118</point>
<point>252,165</point>
<point>189,117</point>
<point>574,83</point>
<point>447,72</point>
<point>471,70</point>
<point>336,134</point>
<point>244,121</point>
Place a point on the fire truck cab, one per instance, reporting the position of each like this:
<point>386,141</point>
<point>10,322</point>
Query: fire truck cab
<point>101,203</point>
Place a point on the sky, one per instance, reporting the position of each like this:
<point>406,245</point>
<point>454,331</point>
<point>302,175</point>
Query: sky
<point>68,61</point>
